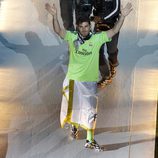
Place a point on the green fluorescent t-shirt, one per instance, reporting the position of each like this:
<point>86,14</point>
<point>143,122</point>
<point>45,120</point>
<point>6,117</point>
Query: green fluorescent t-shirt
<point>84,60</point>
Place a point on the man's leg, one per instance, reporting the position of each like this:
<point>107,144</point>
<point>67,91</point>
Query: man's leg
<point>67,8</point>
<point>90,141</point>
<point>90,135</point>
<point>104,69</point>
<point>112,51</point>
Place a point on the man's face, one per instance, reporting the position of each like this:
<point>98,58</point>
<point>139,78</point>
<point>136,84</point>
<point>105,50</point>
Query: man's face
<point>84,28</point>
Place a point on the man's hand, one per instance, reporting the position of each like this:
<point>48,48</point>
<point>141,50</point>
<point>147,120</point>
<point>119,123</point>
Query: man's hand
<point>126,10</point>
<point>56,26</point>
<point>51,9</point>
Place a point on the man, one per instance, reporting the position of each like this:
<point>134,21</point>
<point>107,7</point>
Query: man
<point>79,102</point>
<point>71,10</point>
<point>106,14</point>
<point>67,8</point>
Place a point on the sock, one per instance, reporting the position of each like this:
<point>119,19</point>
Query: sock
<point>90,135</point>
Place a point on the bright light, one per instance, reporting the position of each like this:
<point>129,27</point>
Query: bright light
<point>146,84</point>
<point>148,15</point>
<point>8,106</point>
<point>3,15</point>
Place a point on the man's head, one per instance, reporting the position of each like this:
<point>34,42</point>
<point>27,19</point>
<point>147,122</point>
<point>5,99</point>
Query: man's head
<point>83,26</point>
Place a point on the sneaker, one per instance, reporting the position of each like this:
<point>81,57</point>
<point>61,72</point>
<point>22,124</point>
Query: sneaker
<point>74,132</point>
<point>104,81</point>
<point>112,70</point>
<point>93,145</point>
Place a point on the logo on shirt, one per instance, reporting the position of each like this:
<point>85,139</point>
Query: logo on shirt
<point>84,52</point>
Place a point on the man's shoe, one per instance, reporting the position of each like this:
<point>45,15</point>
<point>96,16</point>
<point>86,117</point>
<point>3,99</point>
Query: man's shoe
<point>112,71</point>
<point>113,68</point>
<point>93,145</point>
<point>74,132</point>
<point>104,81</point>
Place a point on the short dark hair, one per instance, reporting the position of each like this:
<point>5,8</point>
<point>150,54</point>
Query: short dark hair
<point>82,19</point>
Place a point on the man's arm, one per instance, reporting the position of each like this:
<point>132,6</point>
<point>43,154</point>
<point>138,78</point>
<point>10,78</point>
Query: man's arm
<point>53,11</point>
<point>124,12</point>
